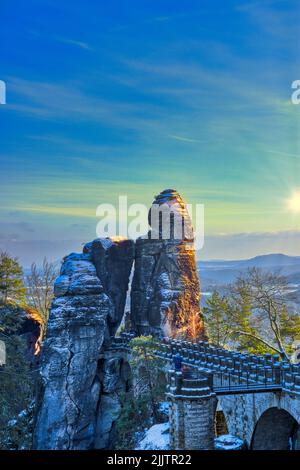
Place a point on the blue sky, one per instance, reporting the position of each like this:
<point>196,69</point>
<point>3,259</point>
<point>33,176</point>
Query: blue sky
<point>133,97</point>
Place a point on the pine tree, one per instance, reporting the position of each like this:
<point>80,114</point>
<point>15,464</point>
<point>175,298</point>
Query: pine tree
<point>11,279</point>
<point>16,378</point>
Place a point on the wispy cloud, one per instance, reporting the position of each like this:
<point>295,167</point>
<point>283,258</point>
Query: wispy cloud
<point>82,212</point>
<point>197,86</point>
<point>185,99</point>
<point>184,139</point>
<point>278,18</point>
<point>284,154</point>
<point>247,245</point>
<point>155,19</point>
<point>73,42</point>
<point>69,100</point>
<point>254,4</point>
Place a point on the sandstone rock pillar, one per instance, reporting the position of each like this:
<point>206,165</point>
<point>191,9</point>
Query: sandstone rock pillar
<point>165,291</point>
<point>82,376</point>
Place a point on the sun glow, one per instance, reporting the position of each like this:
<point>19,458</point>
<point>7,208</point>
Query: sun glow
<point>118,238</point>
<point>293,203</point>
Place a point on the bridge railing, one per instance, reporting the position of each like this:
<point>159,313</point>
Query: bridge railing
<point>231,371</point>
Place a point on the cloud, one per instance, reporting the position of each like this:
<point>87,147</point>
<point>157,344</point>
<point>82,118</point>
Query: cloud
<point>29,251</point>
<point>284,154</point>
<point>184,139</point>
<point>73,42</point>
<point>19,226</point>
<point>230,246</point>
<point>84,147</point>
<point>254,4</point>
<point>71,101</point>
<point>83,212</point>
<point>248,245</point>
<point>197,86</point>
<point>278,19</point>
<point>200,111</point>
<point>151,21</point>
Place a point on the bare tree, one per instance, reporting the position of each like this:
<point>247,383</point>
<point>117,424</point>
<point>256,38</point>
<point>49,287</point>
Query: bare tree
<point>220,319</point>
<point>272,320</point>
<point>40,283</point>
<point>255,314</point>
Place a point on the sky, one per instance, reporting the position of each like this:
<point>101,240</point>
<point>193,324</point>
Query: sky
<point>129,98</point>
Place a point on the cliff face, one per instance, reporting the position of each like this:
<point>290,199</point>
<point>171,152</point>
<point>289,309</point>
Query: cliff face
<point>78,401</point>
<point>165,291</point>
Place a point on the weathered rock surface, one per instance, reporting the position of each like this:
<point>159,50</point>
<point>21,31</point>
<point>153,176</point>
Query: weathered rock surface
<point>81,376</point>
<point>113,261</point>
<point>165,290</point>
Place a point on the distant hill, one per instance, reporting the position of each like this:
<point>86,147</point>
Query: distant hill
<point>276,260</point>
<point>216,273</point>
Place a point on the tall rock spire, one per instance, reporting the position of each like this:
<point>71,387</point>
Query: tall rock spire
<point>165,293</point>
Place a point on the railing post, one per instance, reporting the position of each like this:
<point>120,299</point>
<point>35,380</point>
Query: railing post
<point>297,383</point>
<point>277,373</point>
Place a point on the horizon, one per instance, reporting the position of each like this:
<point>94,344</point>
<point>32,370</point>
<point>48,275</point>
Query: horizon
<point>198,260</point>
<point>128,100</point>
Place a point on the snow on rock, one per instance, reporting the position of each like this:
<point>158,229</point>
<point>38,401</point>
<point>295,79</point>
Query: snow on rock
<point>156,438</point>
<point>229,442</point>
<point>77,277</point>
<point>164,408</point>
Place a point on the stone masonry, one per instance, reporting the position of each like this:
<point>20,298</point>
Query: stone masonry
<point>191,413</point>
<point>264,419</point>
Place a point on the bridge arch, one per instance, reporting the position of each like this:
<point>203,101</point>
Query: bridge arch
<point>276,429</point>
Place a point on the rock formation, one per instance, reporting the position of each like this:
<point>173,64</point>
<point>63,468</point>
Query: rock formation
<point>83,367</point>
<point>113,259</point>
<point>81,374</point>
<point>165,291</point>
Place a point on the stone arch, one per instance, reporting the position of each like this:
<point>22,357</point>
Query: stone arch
<point>276,429</point>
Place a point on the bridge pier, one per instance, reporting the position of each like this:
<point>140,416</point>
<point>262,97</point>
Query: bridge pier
<point>191,413</point>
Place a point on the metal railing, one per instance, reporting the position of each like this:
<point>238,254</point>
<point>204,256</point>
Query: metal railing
<point>230,372</point>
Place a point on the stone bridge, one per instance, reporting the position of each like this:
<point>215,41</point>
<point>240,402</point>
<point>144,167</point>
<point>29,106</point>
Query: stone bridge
<point>258,395</point>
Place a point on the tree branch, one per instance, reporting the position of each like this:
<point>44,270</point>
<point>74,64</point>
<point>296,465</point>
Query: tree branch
<point>282,353</point>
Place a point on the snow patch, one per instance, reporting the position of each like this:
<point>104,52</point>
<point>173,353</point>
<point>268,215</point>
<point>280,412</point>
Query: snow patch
<point>156,438</point>
<point>106,242</point>
<point>228,442</point>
